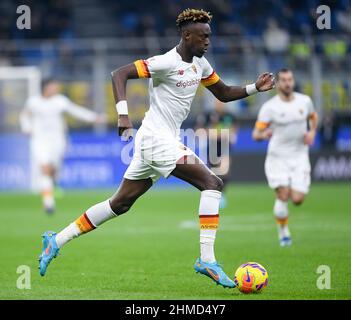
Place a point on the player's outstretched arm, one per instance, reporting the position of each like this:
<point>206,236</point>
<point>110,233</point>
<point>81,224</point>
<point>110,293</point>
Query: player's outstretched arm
<point>227,93</point>
<point>82,113</point>
<point>119,79</point>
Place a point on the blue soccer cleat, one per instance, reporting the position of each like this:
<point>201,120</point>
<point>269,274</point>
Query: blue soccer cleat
<point>214,271</point>
<point>285,241</point>
<point>50,251</point>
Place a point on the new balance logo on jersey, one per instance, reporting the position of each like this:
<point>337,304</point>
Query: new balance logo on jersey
<point>188,83</point>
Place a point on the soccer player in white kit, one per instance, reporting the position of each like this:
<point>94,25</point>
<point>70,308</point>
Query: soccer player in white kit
<point>289,121</point>
<point>174,79</point>
<point>43,119</point>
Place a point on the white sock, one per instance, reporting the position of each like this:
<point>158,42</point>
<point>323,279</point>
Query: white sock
<point>208,213</point>
<point>92,218</point>
<point>67,234</point>
<point>281,214</point>
<point>47,191</point>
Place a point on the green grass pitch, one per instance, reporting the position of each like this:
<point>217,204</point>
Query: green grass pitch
<point>149,252</point>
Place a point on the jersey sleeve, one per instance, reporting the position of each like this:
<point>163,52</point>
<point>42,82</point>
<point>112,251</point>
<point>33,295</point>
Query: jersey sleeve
<point>264,118</point>
<point>155,66</point>
<point>209,76</point>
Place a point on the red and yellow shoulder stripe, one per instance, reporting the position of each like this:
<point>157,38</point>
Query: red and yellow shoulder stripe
<point>210,80</point>
<point>261,125</point>
<point>143,70</point>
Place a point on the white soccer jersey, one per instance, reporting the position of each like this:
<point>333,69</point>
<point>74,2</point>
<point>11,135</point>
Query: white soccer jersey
<point>288,120</point>
<point>44,117</point>
<point>172,87</point>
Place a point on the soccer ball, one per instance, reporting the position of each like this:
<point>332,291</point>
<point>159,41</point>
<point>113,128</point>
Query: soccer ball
<point>251,277</point>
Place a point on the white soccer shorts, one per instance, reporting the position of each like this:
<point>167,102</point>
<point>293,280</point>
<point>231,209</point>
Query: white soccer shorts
<point>293,172</point>
<point>49,153</point>
<point>142,168</point>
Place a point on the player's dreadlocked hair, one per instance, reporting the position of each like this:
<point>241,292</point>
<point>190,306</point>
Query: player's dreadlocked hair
<point>192,16</point>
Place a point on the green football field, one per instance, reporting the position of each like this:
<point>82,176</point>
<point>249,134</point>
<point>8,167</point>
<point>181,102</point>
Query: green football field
<point>149,252</point>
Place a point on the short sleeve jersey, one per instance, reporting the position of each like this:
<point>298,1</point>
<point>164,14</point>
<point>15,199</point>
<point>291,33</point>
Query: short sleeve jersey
<point>172,87</point>
<point>288,120</point>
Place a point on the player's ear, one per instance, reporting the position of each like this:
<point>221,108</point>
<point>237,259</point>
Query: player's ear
<point>186,34</point>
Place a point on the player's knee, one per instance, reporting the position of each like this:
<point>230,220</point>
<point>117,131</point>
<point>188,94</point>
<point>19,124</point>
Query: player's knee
<point>297,200</point>
<point>47,170</point>
<point>214,183</point>
<point>283,194</point>
<point>120,206</point>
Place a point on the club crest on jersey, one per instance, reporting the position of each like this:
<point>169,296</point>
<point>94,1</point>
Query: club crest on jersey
<point>301,111</point>
<point>194,68</point>
<point>180,72</point>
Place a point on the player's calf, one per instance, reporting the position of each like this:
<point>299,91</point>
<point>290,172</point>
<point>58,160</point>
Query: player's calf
<point>47,192</point>
<point>121,204</point>
<point>128,193</point>
<point>212,182</point>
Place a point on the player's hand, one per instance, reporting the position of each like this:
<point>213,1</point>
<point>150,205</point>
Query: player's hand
<point>125,127</point>
<point>267,134</point>
<point>265,82</point>
<point>309,137</point>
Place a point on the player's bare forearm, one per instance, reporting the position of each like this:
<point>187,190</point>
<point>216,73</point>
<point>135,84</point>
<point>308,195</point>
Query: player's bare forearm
<point>257,135</point>
<point>311,134</point>
<point>313,122</point>
<point>261,134</point>
<point>227,93</point>
<point>119,79</point>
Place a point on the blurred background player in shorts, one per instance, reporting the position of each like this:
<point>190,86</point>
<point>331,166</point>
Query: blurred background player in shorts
<point>289,121</point>
<point>43,120</point>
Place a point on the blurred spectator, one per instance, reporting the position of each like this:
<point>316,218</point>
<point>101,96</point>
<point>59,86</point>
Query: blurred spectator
<point>276,42</point>
<point>335,51</point>
<point>276,39</point>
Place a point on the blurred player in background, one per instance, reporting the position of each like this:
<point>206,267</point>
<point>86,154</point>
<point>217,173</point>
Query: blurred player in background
<point>43,119</point>
<point>221,131</point>
<point>289,121</point>
<point>175,77</point>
